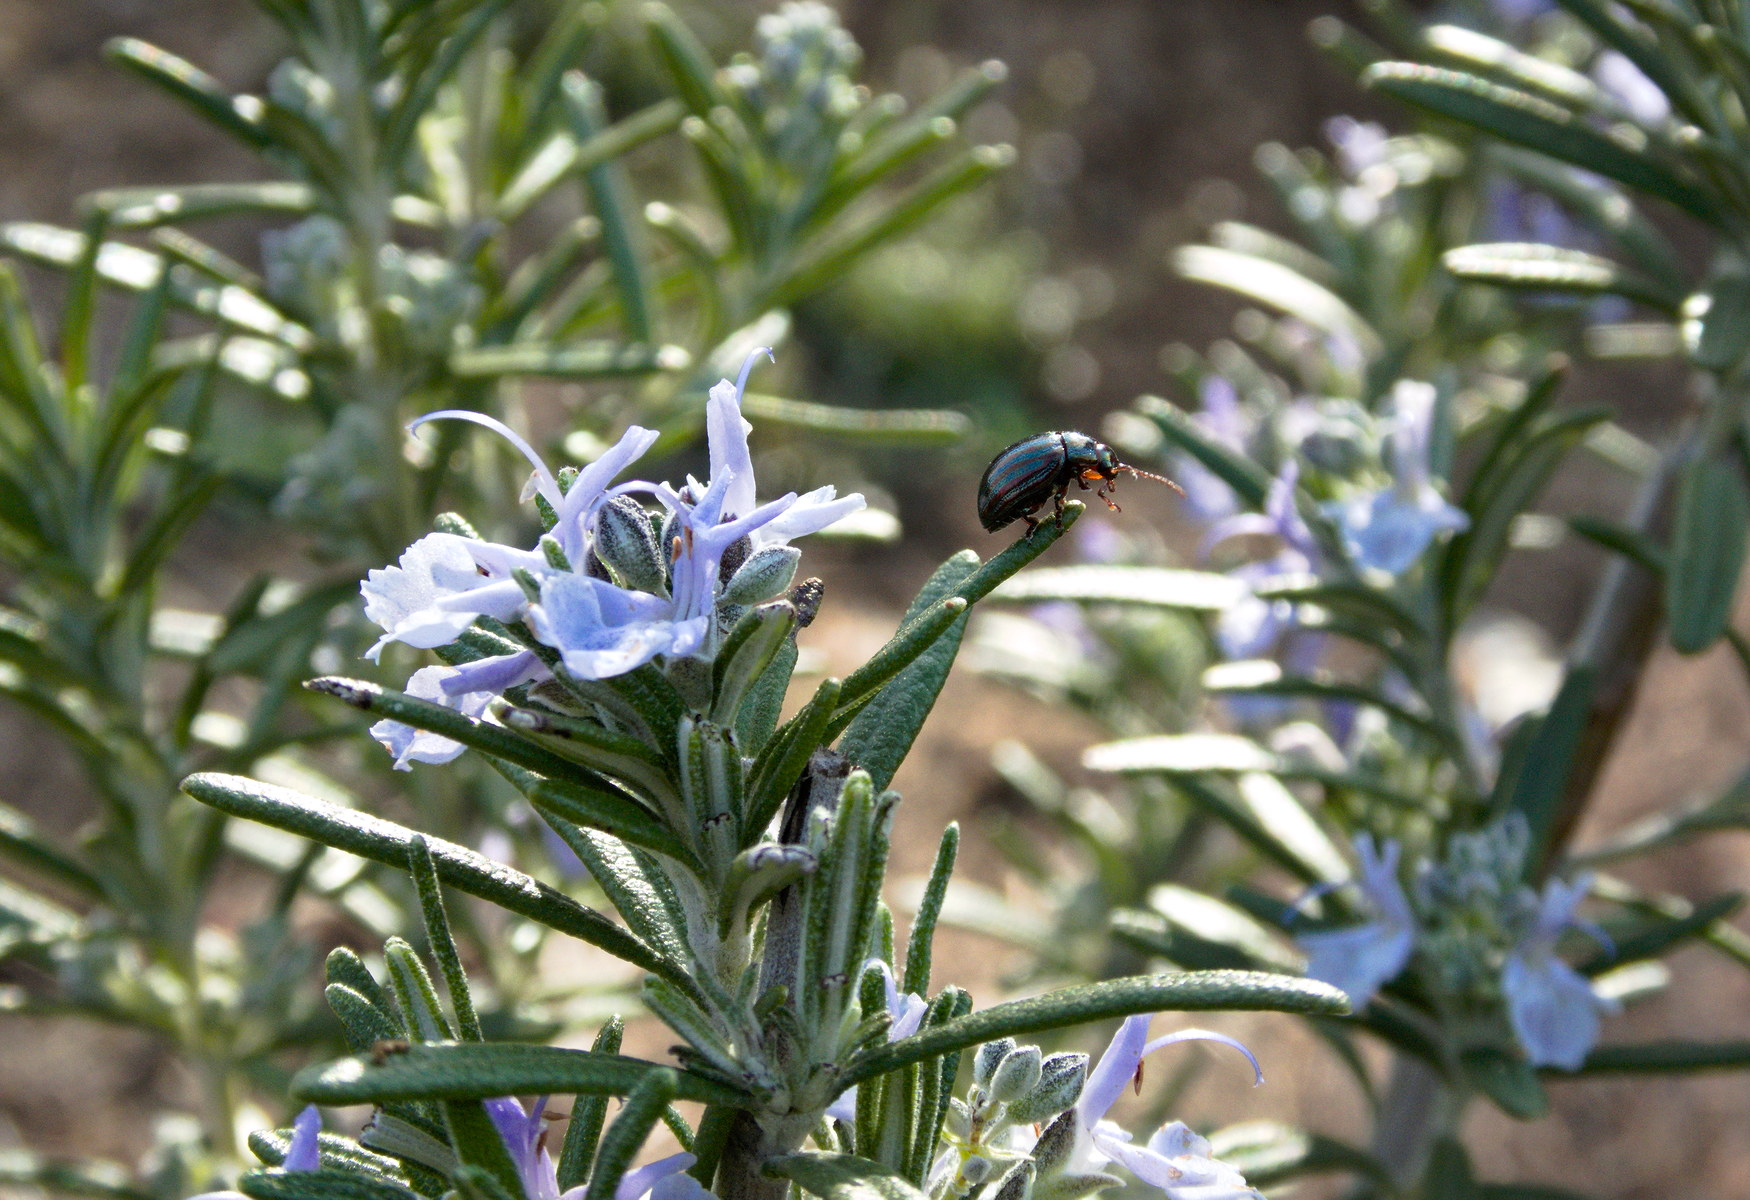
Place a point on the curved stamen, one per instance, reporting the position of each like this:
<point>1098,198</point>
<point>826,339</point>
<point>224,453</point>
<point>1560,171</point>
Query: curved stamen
<point>747,369</point>
<point>1206,1035</point>
<point>548,486</point>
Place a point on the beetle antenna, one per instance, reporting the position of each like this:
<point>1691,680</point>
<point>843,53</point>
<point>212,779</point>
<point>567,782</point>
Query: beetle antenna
<point>1153,476</point>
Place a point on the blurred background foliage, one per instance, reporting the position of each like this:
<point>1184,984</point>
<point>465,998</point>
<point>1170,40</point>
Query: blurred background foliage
<point>1152,144</point>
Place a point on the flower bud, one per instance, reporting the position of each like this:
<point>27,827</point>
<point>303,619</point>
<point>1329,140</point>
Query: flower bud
<point>765,574</point>
<point>1060,1085</point>
<point>626,543</point>
<point>984,1063</point>
<point>958,1122</point>
<point>976,1169</point>
<point>1017,1075</point>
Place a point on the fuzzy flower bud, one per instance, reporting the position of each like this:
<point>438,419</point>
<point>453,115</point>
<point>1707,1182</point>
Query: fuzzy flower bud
<point>766,573</point>
<point>1017,1075</point>
<point>625,541</point>
<point>986,1060</point>
<point>1061,1078</point>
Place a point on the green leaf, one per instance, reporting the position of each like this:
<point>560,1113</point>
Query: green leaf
<point>475,1138</point>
<point>136,270</point>
<point>615,206</point>
<point>588,1116</point>
<point>1656,1058</point>
<point>1179,754</point>
<point>562,155</point>
<point>145,207</point>
<point>1537,267</point>
<point>1153,587</point>
<point>914,637</point>
<point>786,755</point>
<point>1653,939</point>
<point>1370,606</point>
<point>1537,788</point>
<point>572,360</point>
<point>1180,918</point>
<point>1707,552</point>
<point>1724,324</point>
<point>918,948</point>
<point>1277,286</point>
<point>1512,483</point>
<point>688,63</point>
<point>831,256</point>
<point>1261,677</point>
<point>24,844</point>
<point>1195,991</point>
<point>193,86</point>
<point>1479,52</point>
<point>327,1183</point>
<point>644,1107</point>
<point>386,842</point>
<point>1510,1082</point>
<point>365,1024</point>
<point>1250,482</point>
<point>1652,61</point>
<point>1536,124</point>
<point>842,1177</point>
<point>482,1070</point>
<point>1604,207</point>
<point>907,426</point>
<point>443,943</point>
<point>609,811</point>
<point>881,735</point>
<point>1448,1174</point>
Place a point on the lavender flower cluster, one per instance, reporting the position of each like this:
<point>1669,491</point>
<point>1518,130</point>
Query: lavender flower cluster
<point>610,586</point>
<point>1478,934</point>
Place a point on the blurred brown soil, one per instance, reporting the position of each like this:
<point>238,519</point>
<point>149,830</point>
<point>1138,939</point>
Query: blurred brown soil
<point>1135,120</point>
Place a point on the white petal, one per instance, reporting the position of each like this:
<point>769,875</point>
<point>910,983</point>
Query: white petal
<point>410,745</point>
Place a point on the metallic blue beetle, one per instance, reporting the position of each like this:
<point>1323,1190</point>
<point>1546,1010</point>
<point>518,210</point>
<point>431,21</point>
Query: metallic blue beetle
<point>1035,469</point>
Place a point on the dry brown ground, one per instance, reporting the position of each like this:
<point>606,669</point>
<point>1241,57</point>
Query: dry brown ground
<point>1183,89</point>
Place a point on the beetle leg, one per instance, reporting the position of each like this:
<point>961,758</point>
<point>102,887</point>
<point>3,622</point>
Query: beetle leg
<point>1058,499</point>
<point>1081,482</point>
<point>1032,525</point>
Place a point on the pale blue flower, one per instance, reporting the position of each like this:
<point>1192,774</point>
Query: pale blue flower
<point>410,745</point>
<point>444,582</point>
<point>524,1134</point>
<point>1552,1007</point>
<point>1359,144</point>
<point>602,630</point>
<point>1252,625</point>
<point>441,584</point>
<point>1363,958</point>
<point>304,1153</point>
<point>1389,529</point>
<point>1175,1159</point>
<point>1224,419</point>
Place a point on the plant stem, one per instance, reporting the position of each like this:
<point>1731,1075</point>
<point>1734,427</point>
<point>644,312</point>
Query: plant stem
<point>1418,1108</point>
<point>1616,639</point>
